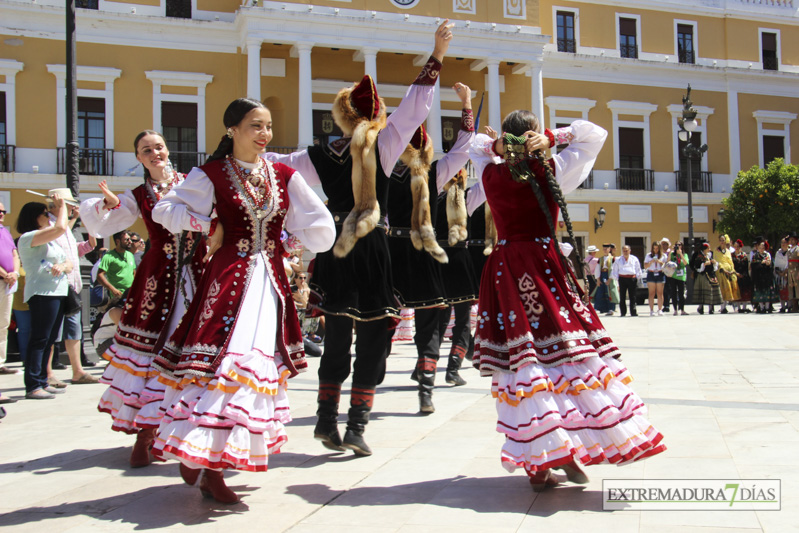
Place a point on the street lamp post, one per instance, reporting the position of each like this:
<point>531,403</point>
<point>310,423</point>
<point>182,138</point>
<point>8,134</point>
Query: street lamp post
<point>72,148</point>
<point>687,123</point>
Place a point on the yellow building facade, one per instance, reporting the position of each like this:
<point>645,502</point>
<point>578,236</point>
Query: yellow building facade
<point>174,65</point>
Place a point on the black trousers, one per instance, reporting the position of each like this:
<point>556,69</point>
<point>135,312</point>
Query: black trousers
<point>667,292</point>
<point>429,333</point>
<point>462,329</point>
<point>371,350</point>
<point>627,287</point>
<point>678,293</point>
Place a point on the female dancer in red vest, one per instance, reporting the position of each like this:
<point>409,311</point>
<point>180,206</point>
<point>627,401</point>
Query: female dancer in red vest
<point>164,283</point>
<point>226,365</point>
<point>561,390</point>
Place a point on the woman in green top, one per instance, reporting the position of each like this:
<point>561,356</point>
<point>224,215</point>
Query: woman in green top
<point>679,277</point>
<point>45,264</point>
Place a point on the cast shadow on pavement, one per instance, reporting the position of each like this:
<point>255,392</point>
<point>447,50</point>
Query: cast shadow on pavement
<point>80,459</point>
<point>155,507</point>
<point>483,495</point>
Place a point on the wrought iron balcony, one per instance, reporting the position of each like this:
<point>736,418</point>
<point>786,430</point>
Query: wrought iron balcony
<point>700,181</point>
<point>281,149</point>
<point>7,158</point>
<point>770,61</point>
<point>635,179</point>
<point>589,182</point>
<point>567,45</point>
<point>629,50</point>
<point>183,162</point>
<point>91,161</point>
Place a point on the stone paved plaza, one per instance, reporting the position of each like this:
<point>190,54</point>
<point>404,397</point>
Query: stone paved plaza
<point>723,389</point>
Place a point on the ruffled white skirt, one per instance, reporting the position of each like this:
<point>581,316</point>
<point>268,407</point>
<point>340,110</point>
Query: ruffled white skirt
<point>235,419</point>
<point>582,412</point>
<point>134,394</point>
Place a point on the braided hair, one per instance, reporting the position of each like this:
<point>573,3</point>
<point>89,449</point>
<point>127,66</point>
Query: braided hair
<point>516,124</point>
<point>234,114</point>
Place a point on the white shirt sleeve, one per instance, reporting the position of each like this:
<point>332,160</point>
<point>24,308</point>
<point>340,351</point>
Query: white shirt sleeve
<point>453,160</point>
<point>308,218</point>
<point>188,205</point>
<point>475,196</point>
<point>481,152</point>
<point>403,122</point>
<point>574,163</point>
<point>101,222</point>
<point>299,161</point>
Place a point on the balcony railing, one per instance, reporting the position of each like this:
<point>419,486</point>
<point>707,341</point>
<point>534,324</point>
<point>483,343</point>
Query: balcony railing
<point>91,161</point>
<point>770,61</point>
<point>183,162</point>
<point>629,50</point>
<point>635,179</point>
<point>281,149</point>
<point>7,158</point>
<point>567,45</point>
<point>701,181</point>
<point>686,56</point>
<point>589,182</point>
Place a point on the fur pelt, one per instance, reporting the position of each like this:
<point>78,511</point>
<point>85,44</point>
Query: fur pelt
<point>365,213</point>
<point>456,208</point>
<point>423,236</point>
<point>491,232</point>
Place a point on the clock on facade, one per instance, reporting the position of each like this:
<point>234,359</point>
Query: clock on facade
<point>405,4</point>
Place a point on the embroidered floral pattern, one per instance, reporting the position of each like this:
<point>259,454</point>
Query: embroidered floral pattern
<point>244,247</point>
<point>563,136</point>
<point>147,305</point>
<point>213,296</point>
<point>529,295</point>
<point>429,73</point>
<point>467,120</point>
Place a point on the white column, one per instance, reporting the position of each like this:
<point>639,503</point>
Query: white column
<point>61,114</point>
<point>370,62</point>
<point>434,120</point>
<point>254,69</point>
<point>305,115</point>
<point>537,92</point>
<point>494,111</point>
<point>734,132</point>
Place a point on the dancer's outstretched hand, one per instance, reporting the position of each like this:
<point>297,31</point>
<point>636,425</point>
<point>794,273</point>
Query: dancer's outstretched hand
<point>491,132</point>
<point>443,37</point>
<point>111,200</point>
<point>465,94</point>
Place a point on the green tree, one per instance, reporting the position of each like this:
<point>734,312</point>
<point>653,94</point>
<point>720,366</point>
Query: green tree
<point>763,202</point>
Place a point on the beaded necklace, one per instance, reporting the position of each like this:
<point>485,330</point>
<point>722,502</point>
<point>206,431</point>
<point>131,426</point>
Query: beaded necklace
<point>254,181</point>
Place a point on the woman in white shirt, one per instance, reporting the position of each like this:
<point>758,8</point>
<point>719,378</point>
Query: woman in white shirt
<point>655,278</point>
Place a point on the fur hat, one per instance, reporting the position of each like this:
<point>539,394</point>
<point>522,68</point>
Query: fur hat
<point>355,104</point>
<point>361,114</point>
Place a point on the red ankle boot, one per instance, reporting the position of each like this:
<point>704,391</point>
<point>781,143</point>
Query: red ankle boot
<point>574,473</point>
<point>543,479</point>
<point>213,486</point>
<point>140,456</point>
<point>189,475</point>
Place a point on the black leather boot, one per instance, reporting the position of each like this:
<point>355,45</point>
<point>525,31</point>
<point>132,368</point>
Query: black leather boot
<point>326,429</point>
<point>361,399</point>
<point>454,362</point>
<point>426,372</point>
